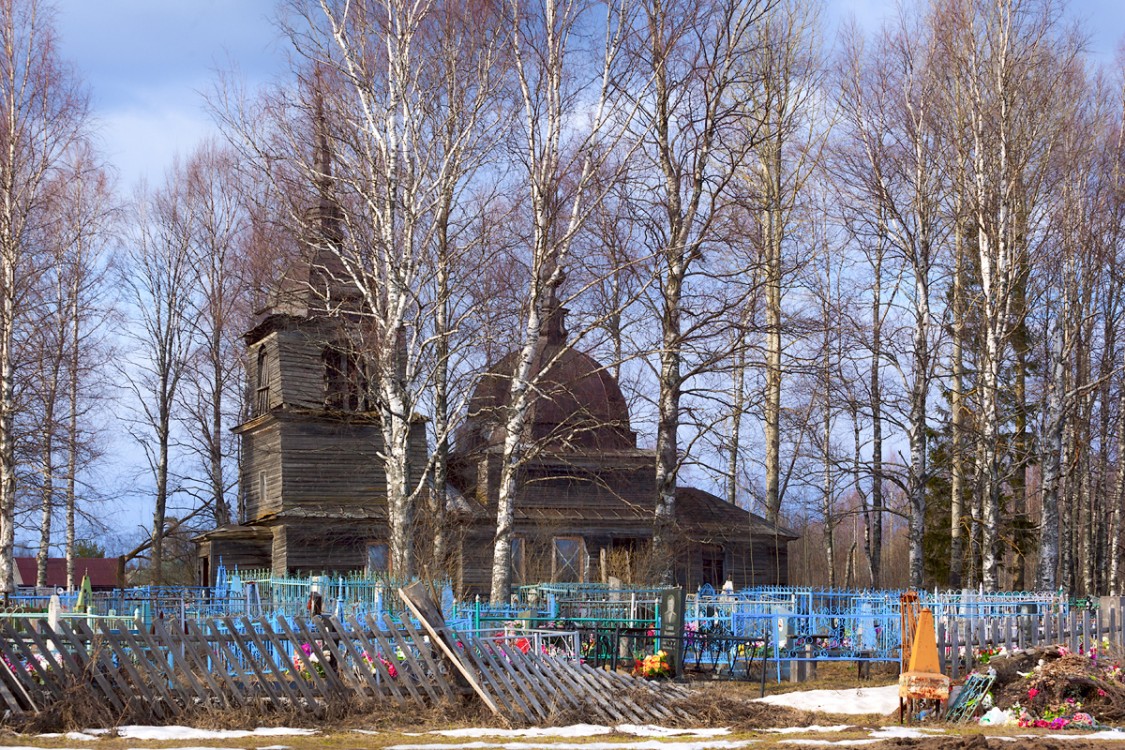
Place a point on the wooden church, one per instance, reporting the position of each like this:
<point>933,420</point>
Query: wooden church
<point>584,511</point>
<point>312,485</point>
<point>311,482</point>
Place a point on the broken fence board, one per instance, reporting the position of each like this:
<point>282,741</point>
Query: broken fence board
<point>434,629</point>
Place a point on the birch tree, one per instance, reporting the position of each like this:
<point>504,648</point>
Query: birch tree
<point>90,225</point>
<point>67,374</point>
<point>560,156</point>
<point>696,142</point>
<point>787,73</point>
<point>1010,61</point>
<point>211,398</point>
<point>384,131</point>
<point>42,112</point>
<point>895,176</point>
<point>158,281</point>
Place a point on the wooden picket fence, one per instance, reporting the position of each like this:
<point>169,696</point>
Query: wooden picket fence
<point>961,640</point>
<point>305,664</point>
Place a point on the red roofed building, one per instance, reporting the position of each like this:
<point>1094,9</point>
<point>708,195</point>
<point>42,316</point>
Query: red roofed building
<point>105,572</point>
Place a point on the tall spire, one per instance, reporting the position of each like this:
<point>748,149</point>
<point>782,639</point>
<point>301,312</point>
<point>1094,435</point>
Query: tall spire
<point>327,209</point>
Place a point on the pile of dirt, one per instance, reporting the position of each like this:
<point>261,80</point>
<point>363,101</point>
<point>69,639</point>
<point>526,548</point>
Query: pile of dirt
<point>1053,682</point>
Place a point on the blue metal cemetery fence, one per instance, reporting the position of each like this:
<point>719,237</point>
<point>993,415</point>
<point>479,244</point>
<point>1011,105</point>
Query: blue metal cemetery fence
<point>792,624</point>
<point>239,593</point>
<point>721,629</point>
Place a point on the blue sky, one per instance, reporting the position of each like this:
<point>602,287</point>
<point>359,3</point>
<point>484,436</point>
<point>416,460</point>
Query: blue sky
<point>148,62</point>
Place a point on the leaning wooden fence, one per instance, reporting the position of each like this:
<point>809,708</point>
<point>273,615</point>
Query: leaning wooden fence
<point>305,664</point>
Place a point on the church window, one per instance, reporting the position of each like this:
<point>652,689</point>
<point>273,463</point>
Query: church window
<point>569,561</point>
<point>263,382</point>
<point>378,559</point>
<point>345,382</point>
<point>714,559</point>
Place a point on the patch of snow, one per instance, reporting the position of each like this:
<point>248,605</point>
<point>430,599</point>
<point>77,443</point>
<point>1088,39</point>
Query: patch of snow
<point>1109,735</point>
<point>813,728</point>
<point>877,700</point>
<point>840,743</point>
<point>648,730</point>
<point>77,736</point>
<point>140,732</point>
<point>575,730</point>
<point>643,745</point>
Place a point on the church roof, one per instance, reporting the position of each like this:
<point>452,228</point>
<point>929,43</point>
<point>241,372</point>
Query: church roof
<point>701,508</point>
<point>576,403</point>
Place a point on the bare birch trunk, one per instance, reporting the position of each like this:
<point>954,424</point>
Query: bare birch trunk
<point>1118,499</point>
<point>511,464</point>
<point>772,407</point>
<point>919,472</point>
<point>72,435</point>
<point>876,396</point>
<point>738,405</point>
<point>1046,578</point>
<point>667,426</point>
<point>957,411</point>
<point>827,488</point>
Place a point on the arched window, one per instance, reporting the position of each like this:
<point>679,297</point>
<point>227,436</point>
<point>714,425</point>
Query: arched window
<point>263,382</point>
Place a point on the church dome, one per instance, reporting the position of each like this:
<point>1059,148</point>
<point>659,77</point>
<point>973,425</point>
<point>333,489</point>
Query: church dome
<point>576,403</point>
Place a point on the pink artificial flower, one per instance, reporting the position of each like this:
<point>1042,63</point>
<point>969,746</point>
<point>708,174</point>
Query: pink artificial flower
<point>1102,693</point>
<point>1032,692</point>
